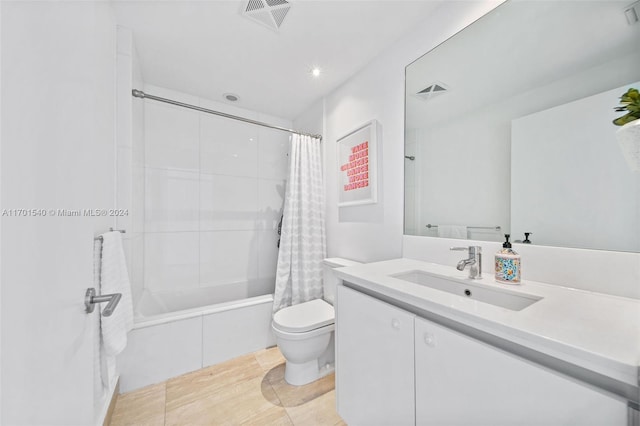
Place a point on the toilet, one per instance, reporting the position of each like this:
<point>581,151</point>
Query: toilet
<point>304,332</point>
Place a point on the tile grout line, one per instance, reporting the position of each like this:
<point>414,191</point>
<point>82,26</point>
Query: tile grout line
<point>289,417</point>
<point>275,392</point>
<point>164,419</point>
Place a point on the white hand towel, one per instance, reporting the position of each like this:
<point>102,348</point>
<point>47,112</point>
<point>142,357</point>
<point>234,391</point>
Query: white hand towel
<point>452,231</point>
<point>115,279</point>
<point>99,379</point>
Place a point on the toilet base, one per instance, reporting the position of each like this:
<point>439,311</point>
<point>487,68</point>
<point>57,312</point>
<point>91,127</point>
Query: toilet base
<point>306,372</point>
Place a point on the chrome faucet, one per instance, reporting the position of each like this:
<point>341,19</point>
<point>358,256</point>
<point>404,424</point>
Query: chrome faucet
<point>474,261</point>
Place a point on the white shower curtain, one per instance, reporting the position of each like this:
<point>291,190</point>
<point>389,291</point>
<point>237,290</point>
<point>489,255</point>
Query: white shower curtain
<point>302,244</point>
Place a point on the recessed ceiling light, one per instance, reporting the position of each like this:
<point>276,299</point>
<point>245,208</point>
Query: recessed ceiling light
<point>231,97</point>
<point>316,72</point>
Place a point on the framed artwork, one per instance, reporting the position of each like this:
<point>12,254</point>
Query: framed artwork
<point>357,161</point>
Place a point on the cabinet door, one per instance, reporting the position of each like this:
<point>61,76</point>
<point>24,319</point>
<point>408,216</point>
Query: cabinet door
<point>461,381</point>
<point>374,361</point>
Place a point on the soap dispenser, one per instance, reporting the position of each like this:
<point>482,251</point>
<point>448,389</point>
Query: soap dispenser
<point>508,265</point>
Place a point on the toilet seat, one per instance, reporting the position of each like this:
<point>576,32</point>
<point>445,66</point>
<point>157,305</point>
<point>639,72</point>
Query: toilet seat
<point>304,317</point>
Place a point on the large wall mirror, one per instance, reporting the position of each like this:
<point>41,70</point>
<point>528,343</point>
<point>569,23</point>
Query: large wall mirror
<point>508,128</point>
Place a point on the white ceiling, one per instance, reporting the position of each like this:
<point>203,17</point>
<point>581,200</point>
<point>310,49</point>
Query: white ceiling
<point>207,48</point>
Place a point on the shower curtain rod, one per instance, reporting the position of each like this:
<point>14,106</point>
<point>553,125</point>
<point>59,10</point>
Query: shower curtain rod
<point>141,94</point>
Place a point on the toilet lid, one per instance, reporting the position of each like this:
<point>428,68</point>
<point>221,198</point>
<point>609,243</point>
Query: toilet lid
<point>304,316</point>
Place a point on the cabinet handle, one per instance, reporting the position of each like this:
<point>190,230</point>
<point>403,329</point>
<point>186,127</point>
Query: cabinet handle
<point>430,340</point>
<point>395,323</point>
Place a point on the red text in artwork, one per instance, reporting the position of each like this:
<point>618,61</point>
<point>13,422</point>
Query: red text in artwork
<point>357,167</point>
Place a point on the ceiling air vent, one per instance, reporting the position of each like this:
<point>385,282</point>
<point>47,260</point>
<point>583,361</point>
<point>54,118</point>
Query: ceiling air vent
<point>270,13</point>
<point>432,90</point>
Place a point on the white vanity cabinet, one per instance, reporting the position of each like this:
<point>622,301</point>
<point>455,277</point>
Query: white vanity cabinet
<point>374,361</point>
<point>462,381</point>
<point>395,368</point>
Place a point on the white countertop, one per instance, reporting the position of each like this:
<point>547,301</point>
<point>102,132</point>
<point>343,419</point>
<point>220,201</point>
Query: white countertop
<point>595,331</point>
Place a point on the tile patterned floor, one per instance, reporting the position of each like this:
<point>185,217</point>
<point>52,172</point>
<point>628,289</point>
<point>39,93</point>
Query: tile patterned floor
<point>249,390</point>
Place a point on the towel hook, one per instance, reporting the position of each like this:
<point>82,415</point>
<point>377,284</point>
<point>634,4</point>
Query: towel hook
<point>90,301</point>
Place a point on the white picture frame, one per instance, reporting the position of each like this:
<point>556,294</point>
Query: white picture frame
<point>357,154</point>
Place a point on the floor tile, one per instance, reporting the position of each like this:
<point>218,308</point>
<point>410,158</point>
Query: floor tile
<point>248,390</point>
<point>292,396</point>
<point>199,384</point>
<point>269,358</point>
<point>142,407</point>
<point>318,411</point>
<point>232,405</point>
<point>276,416</point>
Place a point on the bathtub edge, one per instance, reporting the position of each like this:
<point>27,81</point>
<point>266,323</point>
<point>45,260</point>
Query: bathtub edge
<point>142,322</point>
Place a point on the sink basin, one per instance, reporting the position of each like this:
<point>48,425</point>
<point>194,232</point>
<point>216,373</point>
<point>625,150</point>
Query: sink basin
<point>493,296</point>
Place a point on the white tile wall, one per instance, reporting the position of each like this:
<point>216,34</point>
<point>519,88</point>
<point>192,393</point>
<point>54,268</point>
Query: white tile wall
<point>171,94</point>
<point>228,202</point>
<point>138,131</point>
<point>245,331</point>
<point>124,188</point>
<point>234,291</point>
<point>228,257</point>
<point>228,147</point>
<point>273,153</point>
<point>271,201</point>
<point>267,254</point>
<point>137,199</point>
<point>213,190</point>
<point>171,200</point>
<point>154,354</point>
<point>171,260</point>
<point>229,108</point>
<point>261,286</point>
<point>172,137</point>
<point>136,266</point>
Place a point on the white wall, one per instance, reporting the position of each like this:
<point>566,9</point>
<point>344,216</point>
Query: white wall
<point>58,61</point>
<point>411,182</point>
<point>374,232</point>
<point>312,120</point>
<point>214,189</point>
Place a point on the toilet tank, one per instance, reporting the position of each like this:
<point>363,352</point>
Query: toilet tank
<point>329,280</point>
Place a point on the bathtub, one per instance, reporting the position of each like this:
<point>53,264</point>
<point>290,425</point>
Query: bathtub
<point>182,331</point>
